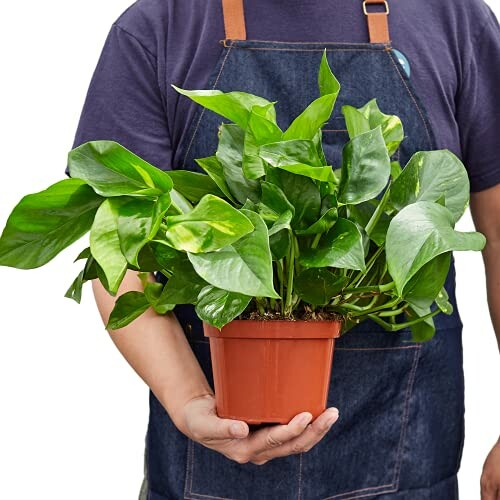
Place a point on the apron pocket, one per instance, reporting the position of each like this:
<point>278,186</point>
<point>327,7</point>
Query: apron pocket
<point>371,385</point>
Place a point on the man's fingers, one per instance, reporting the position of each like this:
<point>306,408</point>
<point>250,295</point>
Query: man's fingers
<point>305,440</point>
<point>208,428</point>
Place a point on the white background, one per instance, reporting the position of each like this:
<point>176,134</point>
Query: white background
<point>73,414</point>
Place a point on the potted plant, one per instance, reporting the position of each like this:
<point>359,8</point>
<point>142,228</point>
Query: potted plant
<point>279,252</point>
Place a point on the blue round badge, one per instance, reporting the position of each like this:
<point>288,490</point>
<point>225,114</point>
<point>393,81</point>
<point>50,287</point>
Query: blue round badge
<point>402,59</point>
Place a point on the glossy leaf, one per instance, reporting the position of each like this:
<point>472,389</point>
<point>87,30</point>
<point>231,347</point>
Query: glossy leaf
<point>418,234</point>
<point>113,170</point>
<point>211,225</point>
<point>302,193</point>
<point>183,287</point>
<point>365,168</point>
<point>260,130</point>
<point>244,267</point>
<point>138,222</point>
<point>430,175</point>
<point>341,247</point>
<point>306,125</point>
<point>230,155</point>
<point>214,169</point>
<point>128,307</point>
<point>105,242</point>
<point>423,288</point>
<point>392,128</point>
<point>318,286</point>
<point>193,185</point>
<point>234,106</point>
<point>45,223</point>
<point>218,307</point>
<point>329,216</point>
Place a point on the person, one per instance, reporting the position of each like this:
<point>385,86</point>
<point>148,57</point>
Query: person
<point>435,64</point>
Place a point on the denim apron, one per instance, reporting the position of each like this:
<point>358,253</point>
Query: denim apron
<point>401,427</point>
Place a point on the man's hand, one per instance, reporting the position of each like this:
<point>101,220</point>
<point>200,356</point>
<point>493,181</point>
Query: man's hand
<point>490,479</point>
<point>233,438</point>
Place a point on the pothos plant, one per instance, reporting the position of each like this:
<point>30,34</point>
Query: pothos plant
<point>270,230</point>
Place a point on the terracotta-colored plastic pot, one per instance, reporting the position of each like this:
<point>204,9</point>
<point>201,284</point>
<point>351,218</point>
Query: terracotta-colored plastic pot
<point>269,371</point>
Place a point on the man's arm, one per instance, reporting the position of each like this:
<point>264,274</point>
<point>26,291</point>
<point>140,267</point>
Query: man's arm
<point>485,211</point>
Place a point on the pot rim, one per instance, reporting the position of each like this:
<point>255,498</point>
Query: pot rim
<point>276,329</point>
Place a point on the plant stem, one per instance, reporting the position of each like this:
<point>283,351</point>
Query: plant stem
<point>378,212</point>
<point>394,327</point>
<point>375,288</point>
<point>316,240</point>
<point>368,309</point>
<point>359,277</point>
<point>289,286</point>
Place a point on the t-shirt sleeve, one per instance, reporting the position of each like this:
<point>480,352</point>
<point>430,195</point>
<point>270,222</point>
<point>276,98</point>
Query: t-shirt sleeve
<point>124,102</point>
<point>478,104</point>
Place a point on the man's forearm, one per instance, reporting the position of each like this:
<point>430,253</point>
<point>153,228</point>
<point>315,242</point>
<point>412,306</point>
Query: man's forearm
<point>491,256</point>
<point>156,348</point>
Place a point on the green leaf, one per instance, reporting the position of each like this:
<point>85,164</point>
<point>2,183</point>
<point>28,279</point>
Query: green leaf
<point>75,290</point>
<point>212,224</point>
<point>244,267</point>
<point>260,130</point>
<point>423,288</point>
<point>297,156</point>
<point>153,292</point>
<point>128,307</point>
<point>274,198</point>
<point>45,223</point>
<point>218,307</point>
<point>443,303</point>
<point>365,168</point>
<point>418,234</point>
<point>213,167</point>
<point>113,170</point>
<point>327,82</point>
<point>356,122</point>
<point>301,192</point>
<point>166,256</point>
<point>234,106</point>
<point>362,213</point>
<point>341,247</point>
<point>318,286</point>
<point>230,155</point>
<point>430,175</point>
<point>89,272</point>
<point>138,221</point>
<point>329,216</point>
<point>105,243</point>
<point>193,185</point>
<point>183,287</point>
<point>306,125</point>
<point>392,128</point>
<point>291,152</point>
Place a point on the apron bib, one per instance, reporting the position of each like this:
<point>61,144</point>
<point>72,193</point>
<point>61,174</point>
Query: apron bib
<point>400,432</point>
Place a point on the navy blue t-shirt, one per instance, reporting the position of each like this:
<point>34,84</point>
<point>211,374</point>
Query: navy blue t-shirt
<point>453,48</point>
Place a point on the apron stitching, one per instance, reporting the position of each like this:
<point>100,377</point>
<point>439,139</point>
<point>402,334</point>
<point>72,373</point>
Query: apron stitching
<point>406,414</point>
<point>311,50</point>
<point>376,348</point>
<point>371,490</point>
<point>300,477</point>
<point>358,44</point>
<point>187,491</point>
<point>412,98</point>
<point>204,109</point>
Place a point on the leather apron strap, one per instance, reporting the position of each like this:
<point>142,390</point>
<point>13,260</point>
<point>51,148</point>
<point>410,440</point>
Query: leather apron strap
<point>234,21</point>
<point>378,25</point>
